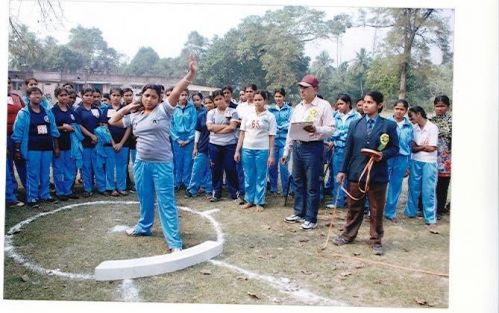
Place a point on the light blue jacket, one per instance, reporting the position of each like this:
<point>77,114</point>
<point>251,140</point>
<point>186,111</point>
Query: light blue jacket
<point>340,134</point>
<point>103,137</point>
<point>21,128</point>
<point>406,135</point>
<point>184,122</point>
<point>282,118</point>
<point>76,148</point>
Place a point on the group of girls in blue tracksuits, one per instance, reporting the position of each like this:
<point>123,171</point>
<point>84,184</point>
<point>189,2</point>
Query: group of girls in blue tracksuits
<point>68,139</point>
<point>209,140</point>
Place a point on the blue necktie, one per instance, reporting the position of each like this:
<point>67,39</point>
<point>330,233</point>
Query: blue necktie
<point>370,124</point>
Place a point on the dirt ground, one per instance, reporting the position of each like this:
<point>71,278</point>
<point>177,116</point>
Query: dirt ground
<point>265,260</point>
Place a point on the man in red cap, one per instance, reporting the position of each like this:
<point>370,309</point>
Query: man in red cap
<point>307,153</point>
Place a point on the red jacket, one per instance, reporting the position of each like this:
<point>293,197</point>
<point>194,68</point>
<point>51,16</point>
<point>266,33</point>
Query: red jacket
<point>14,104</point>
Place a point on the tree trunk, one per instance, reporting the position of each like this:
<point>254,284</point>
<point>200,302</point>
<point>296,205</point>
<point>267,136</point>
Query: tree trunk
<point>403,81</point>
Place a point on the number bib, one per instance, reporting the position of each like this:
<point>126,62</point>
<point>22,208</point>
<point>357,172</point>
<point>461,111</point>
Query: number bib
<point>42,129</point>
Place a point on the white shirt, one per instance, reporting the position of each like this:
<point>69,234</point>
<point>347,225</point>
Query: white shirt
<point>243,109</point>
<point>320,113</point>
<point>426,136</point>
<point>257,129</point>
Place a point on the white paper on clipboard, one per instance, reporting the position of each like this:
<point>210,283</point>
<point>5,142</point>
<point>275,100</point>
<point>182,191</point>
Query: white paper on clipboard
<point>296,131</point>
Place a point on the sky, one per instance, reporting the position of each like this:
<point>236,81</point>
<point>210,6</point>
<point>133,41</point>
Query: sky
<point>127,25</point>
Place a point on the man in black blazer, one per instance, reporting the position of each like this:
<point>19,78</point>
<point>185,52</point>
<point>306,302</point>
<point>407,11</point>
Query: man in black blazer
<point>376,133</point>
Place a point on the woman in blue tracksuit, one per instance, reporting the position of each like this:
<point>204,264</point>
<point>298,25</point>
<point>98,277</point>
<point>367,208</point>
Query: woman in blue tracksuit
<point>153,169</point>
<point>35,136</point>
<point>282,112</point>
<point>64,166</point>
<point>117,150</point>
<point>182,134</point>
<point>398,165</point>
<point>343,118</point>
<point>89,117</point>
<point>201,169</point>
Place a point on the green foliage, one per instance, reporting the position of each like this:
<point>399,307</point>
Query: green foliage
<point>268,51</point>
<point>143,62</point>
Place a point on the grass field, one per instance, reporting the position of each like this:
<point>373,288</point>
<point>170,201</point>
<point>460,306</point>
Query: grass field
<point>265,261</point>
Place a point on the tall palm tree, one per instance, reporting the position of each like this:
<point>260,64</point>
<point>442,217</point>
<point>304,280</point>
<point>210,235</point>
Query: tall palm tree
<point>322,66</point>
<point>360,66</point>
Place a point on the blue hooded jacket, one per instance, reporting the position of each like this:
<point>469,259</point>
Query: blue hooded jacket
<point>183,126</point>
<point>282,118</point>
<point>340,134</point>
<point>103,136</point>
<point>21,127</point>
<point>406,135</point>
<point>76,148</point>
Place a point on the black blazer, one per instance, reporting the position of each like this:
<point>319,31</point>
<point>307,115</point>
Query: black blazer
<point>357,139</point>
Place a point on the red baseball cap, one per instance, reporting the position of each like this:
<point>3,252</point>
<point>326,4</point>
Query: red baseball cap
<point>309,80</point>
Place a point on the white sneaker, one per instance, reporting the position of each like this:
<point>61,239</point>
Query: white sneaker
<point>130,231</point>
<point>294,219</point>
<point>308,225</point>
<point>175,250</point>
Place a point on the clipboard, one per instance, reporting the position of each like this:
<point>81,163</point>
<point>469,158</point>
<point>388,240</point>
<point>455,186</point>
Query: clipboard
<point>296,131</point>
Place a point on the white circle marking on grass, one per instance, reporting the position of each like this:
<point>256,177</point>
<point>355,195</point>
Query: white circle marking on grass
<point>20,259</point>
<point>128,289</point>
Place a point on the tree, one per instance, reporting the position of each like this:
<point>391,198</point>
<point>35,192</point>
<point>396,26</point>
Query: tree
<point>338,26</point>
<point>266,50</point>
<point>144,62</point>
<point>383,75</point>
<point>50,12</point>
<point>360,66</point>
<point>24,49</point>
<point>411,31</point>
<point>322,67</point>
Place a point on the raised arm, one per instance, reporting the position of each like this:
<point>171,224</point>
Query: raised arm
<point>184,82</point>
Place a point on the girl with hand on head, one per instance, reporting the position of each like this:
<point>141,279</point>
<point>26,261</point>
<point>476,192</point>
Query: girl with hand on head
<point>153,168</point>
<point>256,138</point>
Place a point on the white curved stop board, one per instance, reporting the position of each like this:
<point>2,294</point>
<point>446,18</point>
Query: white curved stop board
<point>158,264</point>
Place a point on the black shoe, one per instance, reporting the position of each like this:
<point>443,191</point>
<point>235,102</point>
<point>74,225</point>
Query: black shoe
<point>62,198</point>
<point>188,194</point>
<point>50,200</point>
<point>87,194</point>
<point>378,249</point>
<point>340,241</point>
<point>73,196</point>
<point>214,199</point>
<point>34,205</point>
